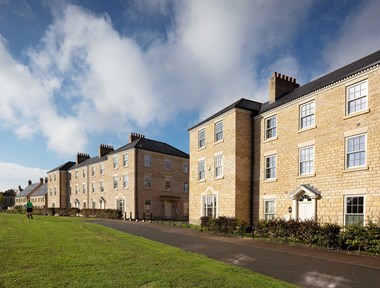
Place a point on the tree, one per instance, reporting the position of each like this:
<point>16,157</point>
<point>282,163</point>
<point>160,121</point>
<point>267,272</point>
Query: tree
<point>1,200</point>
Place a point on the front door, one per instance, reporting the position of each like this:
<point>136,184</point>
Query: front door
<point>305,208</point>
<point>168,210</point>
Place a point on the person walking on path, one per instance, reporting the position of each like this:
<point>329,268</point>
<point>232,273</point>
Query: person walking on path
<point>29,209</point>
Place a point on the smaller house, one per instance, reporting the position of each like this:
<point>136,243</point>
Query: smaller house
<point>27,192</point>
<point>38,197</point>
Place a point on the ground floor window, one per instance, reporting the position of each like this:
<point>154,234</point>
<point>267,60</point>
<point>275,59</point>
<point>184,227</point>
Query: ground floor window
<point>209,206</point>
<point>120,204</point>
<point>354,210</point>
<point>269,209</point>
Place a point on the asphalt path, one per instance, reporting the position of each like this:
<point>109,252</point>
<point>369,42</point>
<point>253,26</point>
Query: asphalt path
<point>302,266</point>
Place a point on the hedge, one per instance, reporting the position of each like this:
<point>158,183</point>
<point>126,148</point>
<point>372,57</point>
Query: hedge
<point>328,235</point>
<point>226,225</point>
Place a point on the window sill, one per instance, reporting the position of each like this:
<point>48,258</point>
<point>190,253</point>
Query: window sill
<point>355,169</point>
<point>219,141</point>
<point>356,114</point>
<point>219,178</point>
<point>270,180</point>
<point>201,148</point>
<point>307,129</point>
<point>305,176</point>
<point>270,139</point>
<point>126,188</point>
<point>202,180</point>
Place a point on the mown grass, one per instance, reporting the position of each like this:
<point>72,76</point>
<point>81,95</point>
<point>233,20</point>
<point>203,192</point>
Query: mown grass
<point>69,252</point>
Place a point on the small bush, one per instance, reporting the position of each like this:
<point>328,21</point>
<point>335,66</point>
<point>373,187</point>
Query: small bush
<point>222,224</point>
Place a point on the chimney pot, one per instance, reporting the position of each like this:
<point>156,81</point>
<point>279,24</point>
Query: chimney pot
<point>279,85</point>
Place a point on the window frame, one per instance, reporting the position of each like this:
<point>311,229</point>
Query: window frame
<point>301,162</point>
<point>311,115</point>
<point>101,168</point>
<point>270,168</point>
<point>115,161</point>
<point>218,164</point>
<point>186,187</point>
<point>201,164</point>
<point>269,215</point>
<point>201,141</point>
<point>148,160</point>
<point>213,207</point>
<point>347,153</point>
<point>352,214</point>
<point>348,112</point>
<point>271,128</point>
<point>115,184</point>
<point>125,159</point>
<point>147,180</point>
<point>168,164</point>
<point>218,132</point>
<point>125,181</point>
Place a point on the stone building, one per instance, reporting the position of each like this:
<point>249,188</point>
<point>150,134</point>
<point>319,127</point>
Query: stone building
<point>144,177</point>
<point>58,186</point>
<point>315,151</point>
<point>28,193</point>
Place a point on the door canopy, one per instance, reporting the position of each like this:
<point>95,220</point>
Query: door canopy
<point>305,189</point>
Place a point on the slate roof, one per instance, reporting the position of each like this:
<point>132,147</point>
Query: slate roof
<point>89,161</point>
<point>28,189</point>
<point>140,143</point>
<point>41,191</point>
<point>242,104</point>
<point>348,70</point>
<point>63,167</point>
<point>153,146</point>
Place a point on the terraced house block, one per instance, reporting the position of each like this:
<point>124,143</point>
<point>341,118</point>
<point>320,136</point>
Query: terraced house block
<point>143,178</point>
<point>313,153</point>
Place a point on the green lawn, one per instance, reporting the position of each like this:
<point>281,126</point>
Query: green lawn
<point>69,252</point>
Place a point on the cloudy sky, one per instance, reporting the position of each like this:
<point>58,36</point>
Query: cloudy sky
<point>75,74</point>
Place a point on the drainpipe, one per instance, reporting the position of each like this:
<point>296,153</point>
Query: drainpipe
<point>136,190</point>
<point>251,172</point>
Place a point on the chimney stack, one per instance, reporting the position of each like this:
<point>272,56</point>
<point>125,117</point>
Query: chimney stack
<point>29,182</point>
<point>279,85</point>
<point>104,149</point>
<point>81,157</point>
<point>134,136</point>
<point>41,180</point>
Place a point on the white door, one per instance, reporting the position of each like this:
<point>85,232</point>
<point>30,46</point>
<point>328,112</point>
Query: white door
<point>305,208</point>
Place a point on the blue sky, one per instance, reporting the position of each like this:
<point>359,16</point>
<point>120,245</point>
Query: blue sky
<point>77,74</point>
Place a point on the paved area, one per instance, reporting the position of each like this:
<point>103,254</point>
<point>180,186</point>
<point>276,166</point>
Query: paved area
<point>305,267</point>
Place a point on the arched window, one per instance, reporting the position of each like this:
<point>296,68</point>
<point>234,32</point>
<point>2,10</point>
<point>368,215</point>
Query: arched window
<point>305,198</point>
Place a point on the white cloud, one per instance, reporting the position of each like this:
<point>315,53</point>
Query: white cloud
<point>85,77</point>
<point>12,175</point>
<point>359,36</point>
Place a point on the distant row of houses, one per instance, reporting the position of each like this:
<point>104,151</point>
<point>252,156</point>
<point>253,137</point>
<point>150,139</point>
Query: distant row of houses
<point>311,151</point>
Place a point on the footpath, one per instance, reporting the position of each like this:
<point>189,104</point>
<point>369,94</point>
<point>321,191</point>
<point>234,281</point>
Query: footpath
<point>302,266</point>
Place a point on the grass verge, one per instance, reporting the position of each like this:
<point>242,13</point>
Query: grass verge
<point>69,252</point>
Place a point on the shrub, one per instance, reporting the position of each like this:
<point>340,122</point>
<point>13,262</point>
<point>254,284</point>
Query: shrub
<point>222,224</point>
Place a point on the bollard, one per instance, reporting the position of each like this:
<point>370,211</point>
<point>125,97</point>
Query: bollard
<point>125,216</point>
<point>130,216</point>
<point>151,217</point>
<point>241,230</point>
<point>143,217</point>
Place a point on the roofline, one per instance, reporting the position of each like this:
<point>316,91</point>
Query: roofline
<point>230,107</point>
